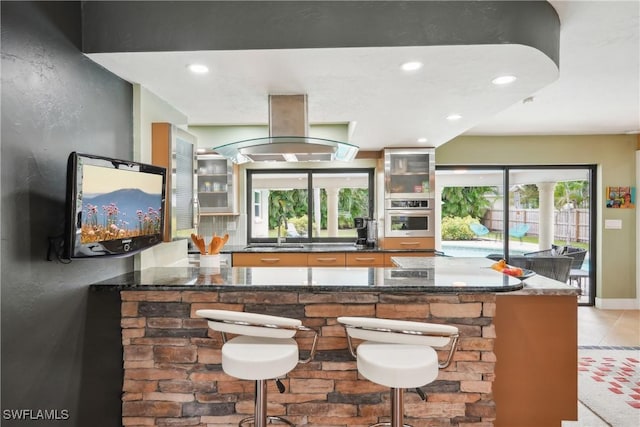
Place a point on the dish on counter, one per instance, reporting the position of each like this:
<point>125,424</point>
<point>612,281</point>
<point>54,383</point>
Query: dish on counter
<point>509,270</point>
<point>525,274</point>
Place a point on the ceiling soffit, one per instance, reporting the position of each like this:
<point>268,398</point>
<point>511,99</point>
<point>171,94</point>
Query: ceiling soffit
<point>245,25</point>
<point>338,53</point>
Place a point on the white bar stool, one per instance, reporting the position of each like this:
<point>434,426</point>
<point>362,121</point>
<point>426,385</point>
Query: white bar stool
<point>264,349</point>
<point>398,354</point>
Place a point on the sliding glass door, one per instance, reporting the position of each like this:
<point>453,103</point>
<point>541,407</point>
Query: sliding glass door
<point>543,221</point>
<point>472,220</point>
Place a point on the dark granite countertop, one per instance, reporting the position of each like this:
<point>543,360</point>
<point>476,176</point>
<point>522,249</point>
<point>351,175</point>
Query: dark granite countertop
<point>534,285</point>
<point>308,248</point>
<point>448,275</point>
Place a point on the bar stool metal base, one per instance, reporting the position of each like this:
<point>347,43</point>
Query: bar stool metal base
<point>269,420</point>
<point>397,410</point>
<point>260,418</point>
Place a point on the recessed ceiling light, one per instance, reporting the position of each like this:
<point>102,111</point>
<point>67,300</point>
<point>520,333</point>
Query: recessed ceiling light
<point>422,140</point>
<point>503,80</point>
<point>198,68</point>
<point>411,66</point>
<point>454,117</point>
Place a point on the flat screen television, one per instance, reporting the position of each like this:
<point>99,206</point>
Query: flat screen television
<point>113,207</point>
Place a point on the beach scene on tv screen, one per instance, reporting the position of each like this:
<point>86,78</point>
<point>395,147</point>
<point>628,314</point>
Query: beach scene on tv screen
<point>119,204</point>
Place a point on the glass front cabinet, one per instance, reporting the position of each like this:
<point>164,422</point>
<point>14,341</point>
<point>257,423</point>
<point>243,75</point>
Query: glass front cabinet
<point>216,186</point>
<point>174,149</point>
<point>409,173</point>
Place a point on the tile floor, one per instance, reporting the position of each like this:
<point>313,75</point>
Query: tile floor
<point>602,328</point>
<point>608,327</point>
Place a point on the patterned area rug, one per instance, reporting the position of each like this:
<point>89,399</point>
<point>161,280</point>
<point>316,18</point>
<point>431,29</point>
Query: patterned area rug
<point>609,383</point>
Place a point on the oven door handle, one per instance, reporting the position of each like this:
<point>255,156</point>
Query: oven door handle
<point>414,212</point>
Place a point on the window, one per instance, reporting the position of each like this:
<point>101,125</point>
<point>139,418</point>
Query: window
<point>308,205</point>
<point>257,204</point>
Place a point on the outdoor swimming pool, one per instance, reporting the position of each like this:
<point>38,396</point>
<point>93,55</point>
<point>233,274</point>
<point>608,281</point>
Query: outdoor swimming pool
<point>452,249</point>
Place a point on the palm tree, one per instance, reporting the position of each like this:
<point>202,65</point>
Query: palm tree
<point>290,203</point>
<point>463,201</point>
<point>571,192</point>
<point>353,202</point>
<point>568,196</point>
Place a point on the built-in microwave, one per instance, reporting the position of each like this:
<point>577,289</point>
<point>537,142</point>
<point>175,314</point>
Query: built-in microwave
<point>409,218</point>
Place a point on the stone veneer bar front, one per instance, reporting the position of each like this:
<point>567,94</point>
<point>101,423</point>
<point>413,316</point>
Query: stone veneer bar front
<point>172,371</point>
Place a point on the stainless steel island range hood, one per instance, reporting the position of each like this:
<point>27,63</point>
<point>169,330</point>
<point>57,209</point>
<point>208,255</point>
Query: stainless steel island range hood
<point>288,139</point>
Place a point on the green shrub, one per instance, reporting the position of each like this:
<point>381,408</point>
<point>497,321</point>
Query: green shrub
<point>456,228</point>
<point>345,220</point>
<point>300,223</point>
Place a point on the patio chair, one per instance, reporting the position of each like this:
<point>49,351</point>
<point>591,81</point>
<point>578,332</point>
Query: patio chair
<point>519,231</point>
<point>478,229</point>
<point>495,257</point>
<point>555,250</point>
<point>555,267</point>
<point>577,254</point>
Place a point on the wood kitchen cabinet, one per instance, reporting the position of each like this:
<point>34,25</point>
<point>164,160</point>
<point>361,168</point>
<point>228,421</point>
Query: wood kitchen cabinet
<point>269,259</point>
<point>536,352</point>
<point>365,259</point>
<point>302,259</point>
<point>327,259</point>
<point>408,243</point>
<point>320,259</point>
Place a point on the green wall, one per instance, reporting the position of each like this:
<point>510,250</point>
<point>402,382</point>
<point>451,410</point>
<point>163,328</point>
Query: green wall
<point>615,157</point>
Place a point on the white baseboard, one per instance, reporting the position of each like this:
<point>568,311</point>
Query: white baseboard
<point>618,303</point>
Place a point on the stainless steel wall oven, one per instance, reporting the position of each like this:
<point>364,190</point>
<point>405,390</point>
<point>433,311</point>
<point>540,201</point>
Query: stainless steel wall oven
<point>409,218</point>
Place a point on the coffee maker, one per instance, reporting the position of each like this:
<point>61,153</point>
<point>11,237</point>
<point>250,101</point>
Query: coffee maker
<point>367,232</point>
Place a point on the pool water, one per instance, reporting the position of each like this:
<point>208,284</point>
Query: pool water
<point>469,251</point>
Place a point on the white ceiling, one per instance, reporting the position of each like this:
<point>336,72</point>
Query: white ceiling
<point>597,89</point>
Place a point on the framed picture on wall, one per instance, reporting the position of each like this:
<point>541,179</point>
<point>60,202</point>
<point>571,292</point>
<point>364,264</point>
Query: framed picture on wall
<point>621,197</point>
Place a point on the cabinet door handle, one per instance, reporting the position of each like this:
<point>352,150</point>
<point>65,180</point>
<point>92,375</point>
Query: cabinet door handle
<point>410,243</point>
<point>327,259</point>
<point>365,259</point>
<point>269,260</point>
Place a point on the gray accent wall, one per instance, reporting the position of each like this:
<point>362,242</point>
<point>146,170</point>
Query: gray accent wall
<point>61,346</point>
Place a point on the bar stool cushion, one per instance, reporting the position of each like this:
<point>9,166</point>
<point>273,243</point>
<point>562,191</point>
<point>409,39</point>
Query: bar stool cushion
<point>397,365</point>
<point>259,358</point>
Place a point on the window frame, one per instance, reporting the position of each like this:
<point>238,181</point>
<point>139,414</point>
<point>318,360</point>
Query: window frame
<point>370,171</point>
<point>592,172</point>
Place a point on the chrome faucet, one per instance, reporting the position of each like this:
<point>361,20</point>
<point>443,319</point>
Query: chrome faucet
<point>281,220</point>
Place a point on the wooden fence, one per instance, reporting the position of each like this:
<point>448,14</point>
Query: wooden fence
<point>573,224</point>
